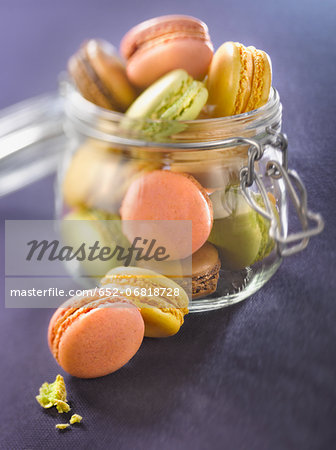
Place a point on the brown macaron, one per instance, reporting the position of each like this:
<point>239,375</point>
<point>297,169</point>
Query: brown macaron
<point>100,75</point>
<point>205,271</point>
<point>198,274</point>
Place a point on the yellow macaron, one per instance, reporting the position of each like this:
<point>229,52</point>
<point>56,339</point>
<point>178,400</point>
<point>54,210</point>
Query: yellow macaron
<point>161,301</point>
<point>239,79</point>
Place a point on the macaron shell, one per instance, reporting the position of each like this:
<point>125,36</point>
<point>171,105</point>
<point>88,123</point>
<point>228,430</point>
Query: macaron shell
<point>189,105</point>
<point>205,271</point>
<point>90,226</point>
<point>245,81</point>
<point>239,79</point>
<point>262,79</point>
<point>111,71</point>
<point>157,94</point>
<point>162,323</point>
<point>230,79</point>
<point>163,314</point>
<point>238,239</point>
<point>98,176</point>
<point>83,172</point>
<point>224,79</point>
<point>175,96</point>
<point>162,196</point>
<point>159,45</point>
<point>204,259</point>
<point>84,80</point>
<point>66,309</point>
<point>101,341</point>
<point>152,62</point>
<point>201,269</point>
<point>158,27</point>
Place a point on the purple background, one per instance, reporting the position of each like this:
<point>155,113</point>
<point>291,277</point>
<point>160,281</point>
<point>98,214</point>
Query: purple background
<point>258,375</point>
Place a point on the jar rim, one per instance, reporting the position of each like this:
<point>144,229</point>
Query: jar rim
<point>103,124</point>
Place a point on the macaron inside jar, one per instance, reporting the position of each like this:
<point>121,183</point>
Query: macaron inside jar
<point>156,200</point>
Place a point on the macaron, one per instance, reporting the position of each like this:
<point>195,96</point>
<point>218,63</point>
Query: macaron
<point>159,198</point>
<point>162,302</point>
<point>165,43</point>
<point>239,232</point>
<point>174,97</point>
<point>205,271</point>
<point>86,226</point>
<point>82,173</point>
<point>198,274</point>
<point>98,176</point>
<point>239,79</point>
<point>94,335</point>
<point>100,75</point>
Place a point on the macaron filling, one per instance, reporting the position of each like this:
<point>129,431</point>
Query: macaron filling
<point>167,37</point>
<point>162,310</point>
<point>180,106</point>
<point>130,282</point>
<point>111,72</point>
<point>114,103</point>
<point>170,98</point>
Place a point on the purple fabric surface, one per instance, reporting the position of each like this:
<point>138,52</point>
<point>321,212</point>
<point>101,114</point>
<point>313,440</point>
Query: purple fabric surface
<point>258,375</point>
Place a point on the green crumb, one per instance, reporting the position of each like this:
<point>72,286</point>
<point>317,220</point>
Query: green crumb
<point>62,426</point>
<point>75,418</point>
<point>54,394</point>
<point>62,406</point>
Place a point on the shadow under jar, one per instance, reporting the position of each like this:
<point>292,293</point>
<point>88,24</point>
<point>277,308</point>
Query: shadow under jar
<point>240,161</point>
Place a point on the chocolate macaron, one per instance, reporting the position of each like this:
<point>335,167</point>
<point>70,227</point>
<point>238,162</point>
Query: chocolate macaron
<point>205,271</point>
<point>198,274</point>
<point>100,75</point>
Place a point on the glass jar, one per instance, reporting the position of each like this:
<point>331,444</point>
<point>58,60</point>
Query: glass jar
<point>240,162</point>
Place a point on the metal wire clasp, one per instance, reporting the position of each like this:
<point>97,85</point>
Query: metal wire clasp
<point>294,242</point>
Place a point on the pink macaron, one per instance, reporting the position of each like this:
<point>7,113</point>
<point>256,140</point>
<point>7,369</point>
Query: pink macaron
<point>94,335</point>
<point>155,199</point>
<point>157,46</point>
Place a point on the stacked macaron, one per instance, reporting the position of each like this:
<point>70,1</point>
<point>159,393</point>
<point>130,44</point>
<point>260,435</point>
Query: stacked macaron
<point>238,78</point>
<point>98,332</point>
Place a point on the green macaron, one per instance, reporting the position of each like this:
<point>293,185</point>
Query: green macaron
<point>239,232</point>
<point>174,97</point>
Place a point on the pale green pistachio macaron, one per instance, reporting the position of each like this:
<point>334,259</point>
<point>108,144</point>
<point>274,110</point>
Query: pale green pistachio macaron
<point>174,97</point>
<point>240,233</point>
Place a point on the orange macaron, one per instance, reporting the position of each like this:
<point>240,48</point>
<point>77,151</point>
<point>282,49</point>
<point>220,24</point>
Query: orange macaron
<point>94,335</point>
<point>239,79</point>
<point>161,196</point>
<point>160,45</point>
